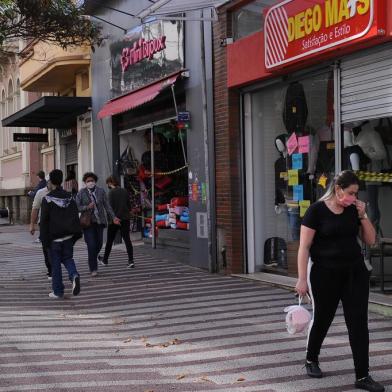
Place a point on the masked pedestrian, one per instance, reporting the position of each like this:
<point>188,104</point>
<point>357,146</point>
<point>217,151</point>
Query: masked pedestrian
<point>331,268</point>
<point>92,200</point>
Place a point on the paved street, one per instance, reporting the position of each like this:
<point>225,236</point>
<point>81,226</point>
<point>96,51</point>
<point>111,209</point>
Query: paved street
<point>161,327</point>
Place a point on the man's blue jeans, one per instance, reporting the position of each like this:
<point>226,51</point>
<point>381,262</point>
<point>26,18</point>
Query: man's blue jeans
<point>93,237</point>
<point>62,252</point>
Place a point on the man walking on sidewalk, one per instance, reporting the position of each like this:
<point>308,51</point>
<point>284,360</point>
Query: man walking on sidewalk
<point>35,215</point>
<point>59,230</point>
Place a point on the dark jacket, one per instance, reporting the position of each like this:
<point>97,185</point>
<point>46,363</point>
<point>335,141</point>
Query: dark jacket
<point>120,202</point>
<point>42,184</point>
<point>59,217</point>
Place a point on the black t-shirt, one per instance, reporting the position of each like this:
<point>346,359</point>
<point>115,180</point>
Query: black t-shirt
<point>335,242</point>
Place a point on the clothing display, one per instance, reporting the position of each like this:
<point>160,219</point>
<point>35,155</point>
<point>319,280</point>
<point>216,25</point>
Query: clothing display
<point>171,180</point>
<point>354,158</point>
<point>295,111</point>
<point>371,143</point>
<point>280,180</point>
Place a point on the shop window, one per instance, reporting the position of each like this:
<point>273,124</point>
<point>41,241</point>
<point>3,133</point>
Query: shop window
<point>17,106</point>
<point>10,110</point>
<point>249,19</point>
<point>171,179</point>
<point>3,114</point>
<point>367,149</point>
<point>289,161</point>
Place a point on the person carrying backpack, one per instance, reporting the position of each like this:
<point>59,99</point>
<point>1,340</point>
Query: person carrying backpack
<point>59,230</point>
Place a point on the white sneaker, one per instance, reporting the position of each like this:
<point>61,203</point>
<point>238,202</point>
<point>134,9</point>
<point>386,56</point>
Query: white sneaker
<point>54,296</point>
<point>94,273</point>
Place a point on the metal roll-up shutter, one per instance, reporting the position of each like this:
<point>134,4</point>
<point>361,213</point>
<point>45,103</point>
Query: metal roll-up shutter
<point>366,85</point>
<point>71,153</point>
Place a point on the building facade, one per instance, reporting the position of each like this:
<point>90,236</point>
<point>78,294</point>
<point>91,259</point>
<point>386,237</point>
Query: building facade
<point>152,86</point>
<point>304,89</point>
<point>58,83</point>
<point>19,161</point>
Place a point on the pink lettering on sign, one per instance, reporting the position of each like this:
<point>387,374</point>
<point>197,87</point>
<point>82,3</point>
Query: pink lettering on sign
<point>292,143</point>
<point>303,144</point>
<point>141,50</point>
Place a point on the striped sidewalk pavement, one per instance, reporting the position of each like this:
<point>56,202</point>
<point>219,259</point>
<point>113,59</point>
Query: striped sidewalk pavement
<point>161,327</point>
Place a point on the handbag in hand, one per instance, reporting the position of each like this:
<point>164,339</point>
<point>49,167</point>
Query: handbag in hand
<point>85,219</point>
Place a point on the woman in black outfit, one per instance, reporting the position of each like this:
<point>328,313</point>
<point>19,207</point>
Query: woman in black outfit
<point>120,202</point>
<point>331,268</point>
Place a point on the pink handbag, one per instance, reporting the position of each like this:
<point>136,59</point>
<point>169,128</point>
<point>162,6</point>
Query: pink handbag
<point>297,318</point>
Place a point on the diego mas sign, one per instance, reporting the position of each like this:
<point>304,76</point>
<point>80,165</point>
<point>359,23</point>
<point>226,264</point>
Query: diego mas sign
<point>294,29</point>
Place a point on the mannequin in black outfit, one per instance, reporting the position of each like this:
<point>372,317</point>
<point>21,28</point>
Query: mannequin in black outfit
<point>280,167</point>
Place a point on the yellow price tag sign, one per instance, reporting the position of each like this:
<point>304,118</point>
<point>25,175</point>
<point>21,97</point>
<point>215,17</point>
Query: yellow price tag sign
<point>303,206</point>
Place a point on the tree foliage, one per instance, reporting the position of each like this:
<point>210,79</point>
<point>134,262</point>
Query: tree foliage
<point>60,22</point>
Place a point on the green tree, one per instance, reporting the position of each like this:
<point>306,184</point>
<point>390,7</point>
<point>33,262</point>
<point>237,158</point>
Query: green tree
<point>60,22</point>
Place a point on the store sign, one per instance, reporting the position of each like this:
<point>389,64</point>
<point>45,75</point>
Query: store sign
<point>141,50</point>
<point>145,54</point>
<point>295,29</point>
<point>184,116</point>
<point>30,137</point>
<point>64,133</point>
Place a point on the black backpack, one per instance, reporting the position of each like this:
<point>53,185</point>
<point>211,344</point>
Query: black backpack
<point>295,110</point>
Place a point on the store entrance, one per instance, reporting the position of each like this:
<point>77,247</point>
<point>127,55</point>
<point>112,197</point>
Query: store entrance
<point>171,181</point>
<point>289,162</point>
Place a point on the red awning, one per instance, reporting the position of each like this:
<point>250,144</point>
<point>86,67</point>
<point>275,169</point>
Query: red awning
<point>136,98</point>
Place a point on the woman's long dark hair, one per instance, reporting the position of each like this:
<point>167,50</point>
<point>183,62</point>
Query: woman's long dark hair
<point>344,179</point>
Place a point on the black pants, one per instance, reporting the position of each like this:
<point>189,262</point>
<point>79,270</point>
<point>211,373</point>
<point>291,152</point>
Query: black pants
<point>47,260</point>
<point>351,286</point>
<point>112,230</point>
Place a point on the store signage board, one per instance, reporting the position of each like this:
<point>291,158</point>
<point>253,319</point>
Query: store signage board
<point>184,116</point>
<point>141,50</point>
<point>31,137</point>
<point>145,54</point>
<point>64,133</point>
<point>295,29</point>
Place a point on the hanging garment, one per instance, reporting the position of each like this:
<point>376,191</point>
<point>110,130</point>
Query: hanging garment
<point>295,110</point>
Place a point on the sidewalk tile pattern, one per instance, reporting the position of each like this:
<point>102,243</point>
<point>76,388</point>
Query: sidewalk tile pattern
<point>161,327</point>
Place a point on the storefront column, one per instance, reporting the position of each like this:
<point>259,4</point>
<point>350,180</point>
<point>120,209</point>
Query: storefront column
<point>337,118</point>
<point>25,204</point>
<point>84,145</point>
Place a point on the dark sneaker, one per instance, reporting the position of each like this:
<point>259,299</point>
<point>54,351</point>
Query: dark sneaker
<point>76,285</point>
<point>102,260</point>
<point>313,369</point>
<point>131,264</point>
<point>368,384</point>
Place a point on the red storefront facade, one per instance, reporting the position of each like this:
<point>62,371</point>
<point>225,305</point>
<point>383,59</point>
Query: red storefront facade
<point>287,98</point>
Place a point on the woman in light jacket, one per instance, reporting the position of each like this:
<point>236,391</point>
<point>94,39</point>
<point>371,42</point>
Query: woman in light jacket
<point>94,199</point>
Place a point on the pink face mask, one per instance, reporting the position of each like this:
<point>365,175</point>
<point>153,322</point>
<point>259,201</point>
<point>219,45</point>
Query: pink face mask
<point>346,200</point>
